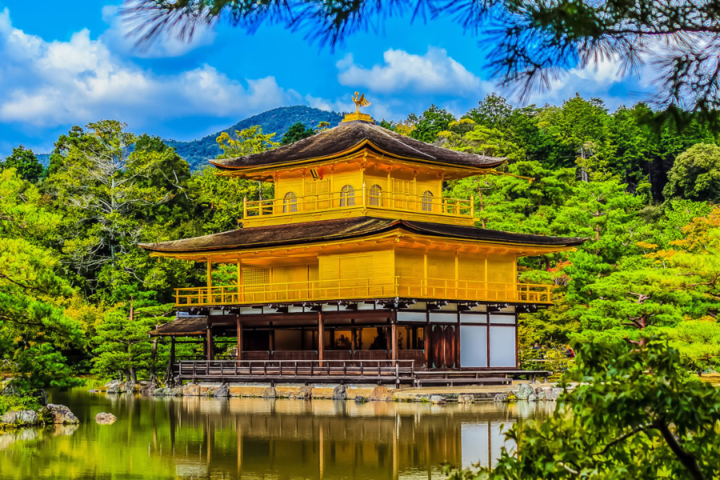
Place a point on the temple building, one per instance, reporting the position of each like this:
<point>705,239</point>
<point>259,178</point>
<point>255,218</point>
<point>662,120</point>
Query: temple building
<point>359,267</point>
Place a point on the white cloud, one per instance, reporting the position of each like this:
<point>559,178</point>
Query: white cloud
<point>55,83</point>
<point>118,37</point>
<point>597,79</point>
<point>435,72</point>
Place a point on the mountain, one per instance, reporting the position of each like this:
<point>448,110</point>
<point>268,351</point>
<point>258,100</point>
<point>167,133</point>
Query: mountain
<point>277,120</point>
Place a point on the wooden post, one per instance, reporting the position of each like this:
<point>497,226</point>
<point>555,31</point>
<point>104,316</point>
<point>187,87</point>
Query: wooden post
<point>239,281</point>
<point>209,281</point>
<point>321,337</point>
<point>394,337</point>
<point>238,325</point>
<point>354,341</point>
<point>172,350</point>
<point>244,207</point>
<point>426,338</point>
<point>209,349</point>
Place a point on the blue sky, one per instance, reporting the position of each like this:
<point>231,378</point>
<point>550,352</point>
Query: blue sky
<point>61,67</point>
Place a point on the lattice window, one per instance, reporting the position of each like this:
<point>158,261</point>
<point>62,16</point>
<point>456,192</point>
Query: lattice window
<point>317,187</point>
<point>255,276</point>
<point>375,193</point>
<point>347,196</point>
<point>290,203</point>
<point>427,199</point>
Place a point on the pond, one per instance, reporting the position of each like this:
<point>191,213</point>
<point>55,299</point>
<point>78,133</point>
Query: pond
<point>254,438</point>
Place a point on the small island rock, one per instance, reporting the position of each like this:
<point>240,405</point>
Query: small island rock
<point>105,418</point>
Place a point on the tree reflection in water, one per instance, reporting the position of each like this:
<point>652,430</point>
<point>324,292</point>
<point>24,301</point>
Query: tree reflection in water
<point>194,437</point>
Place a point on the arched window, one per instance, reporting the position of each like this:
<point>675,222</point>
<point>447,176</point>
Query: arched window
<point>375,192</point>
<point>289,203</point>
<point>427,198</point>
<point>347,196</point>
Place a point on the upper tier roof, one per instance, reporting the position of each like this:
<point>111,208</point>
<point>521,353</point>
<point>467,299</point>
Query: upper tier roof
<point>329,230</point>
<point>350,137</point>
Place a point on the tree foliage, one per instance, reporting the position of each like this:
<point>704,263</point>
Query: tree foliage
<point>25,163</point>
<point>695,175</point>
<point>633,414</point>
<point>297,131</point>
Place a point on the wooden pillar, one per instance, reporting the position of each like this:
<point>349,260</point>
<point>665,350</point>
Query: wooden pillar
<point>209,348</point>
<point>209,281</point>
<point>388,340</point>
<point>239,282</point>
<point>238,325</point>
<point>321,336</point>
<point>393,328</point>
<point>272,339</point>
<point>457,341</point>
<point>426,338</point>
<point>172,351</point>
<point>354,340</point>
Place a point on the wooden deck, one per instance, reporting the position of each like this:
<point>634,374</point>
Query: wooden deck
<point>397,372</point>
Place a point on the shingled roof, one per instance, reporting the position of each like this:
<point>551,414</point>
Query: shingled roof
<point>182,325</point>
<point>346,228</point>
<point>350,137</point>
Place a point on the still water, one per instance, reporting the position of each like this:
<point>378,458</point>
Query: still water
<point>249,438</point>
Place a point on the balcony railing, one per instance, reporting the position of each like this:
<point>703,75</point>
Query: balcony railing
<point>351,289</point>
<point>422,204</point>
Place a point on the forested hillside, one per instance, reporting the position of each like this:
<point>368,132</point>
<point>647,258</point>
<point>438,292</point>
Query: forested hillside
<point>277,120</point>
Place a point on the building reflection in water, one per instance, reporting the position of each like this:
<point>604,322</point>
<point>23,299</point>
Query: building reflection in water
<point>260,438</point>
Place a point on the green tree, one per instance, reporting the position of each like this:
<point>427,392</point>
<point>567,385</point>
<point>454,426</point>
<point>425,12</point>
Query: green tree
<point>25,163</point>
<point>634,414</point>
<point>696,174</point>
<point>34,328</point>
<point>245,142</point>
<point>122,345</point>
<point>433,121</point>
<point>493,111</point>
<point>297,131</point>
<point>112,198</point>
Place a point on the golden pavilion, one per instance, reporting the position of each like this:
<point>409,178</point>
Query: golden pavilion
<point>358,269</point>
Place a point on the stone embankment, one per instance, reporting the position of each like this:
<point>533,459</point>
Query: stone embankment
<point>365,393</point>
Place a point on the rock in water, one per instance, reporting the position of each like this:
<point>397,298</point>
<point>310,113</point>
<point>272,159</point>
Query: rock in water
<point>60,415</point>
<point>148,389</point>
<point>501,397</point>
<point>466,398</point>
<point>438,399</point>
<point>162,392</point>
<point>22,417</point>
<point>360,399</point>
<point>105,418</point>
<point>532,398</point>
<point>554,393</point>
<point>304,393</point>
<point>380,394</point>
<point>524,391</point>
<point>339,393</point>
<point>177,391</point>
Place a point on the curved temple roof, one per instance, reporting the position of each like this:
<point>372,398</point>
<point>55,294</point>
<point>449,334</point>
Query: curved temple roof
<point>350,137</point>
<point>329,230</point>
